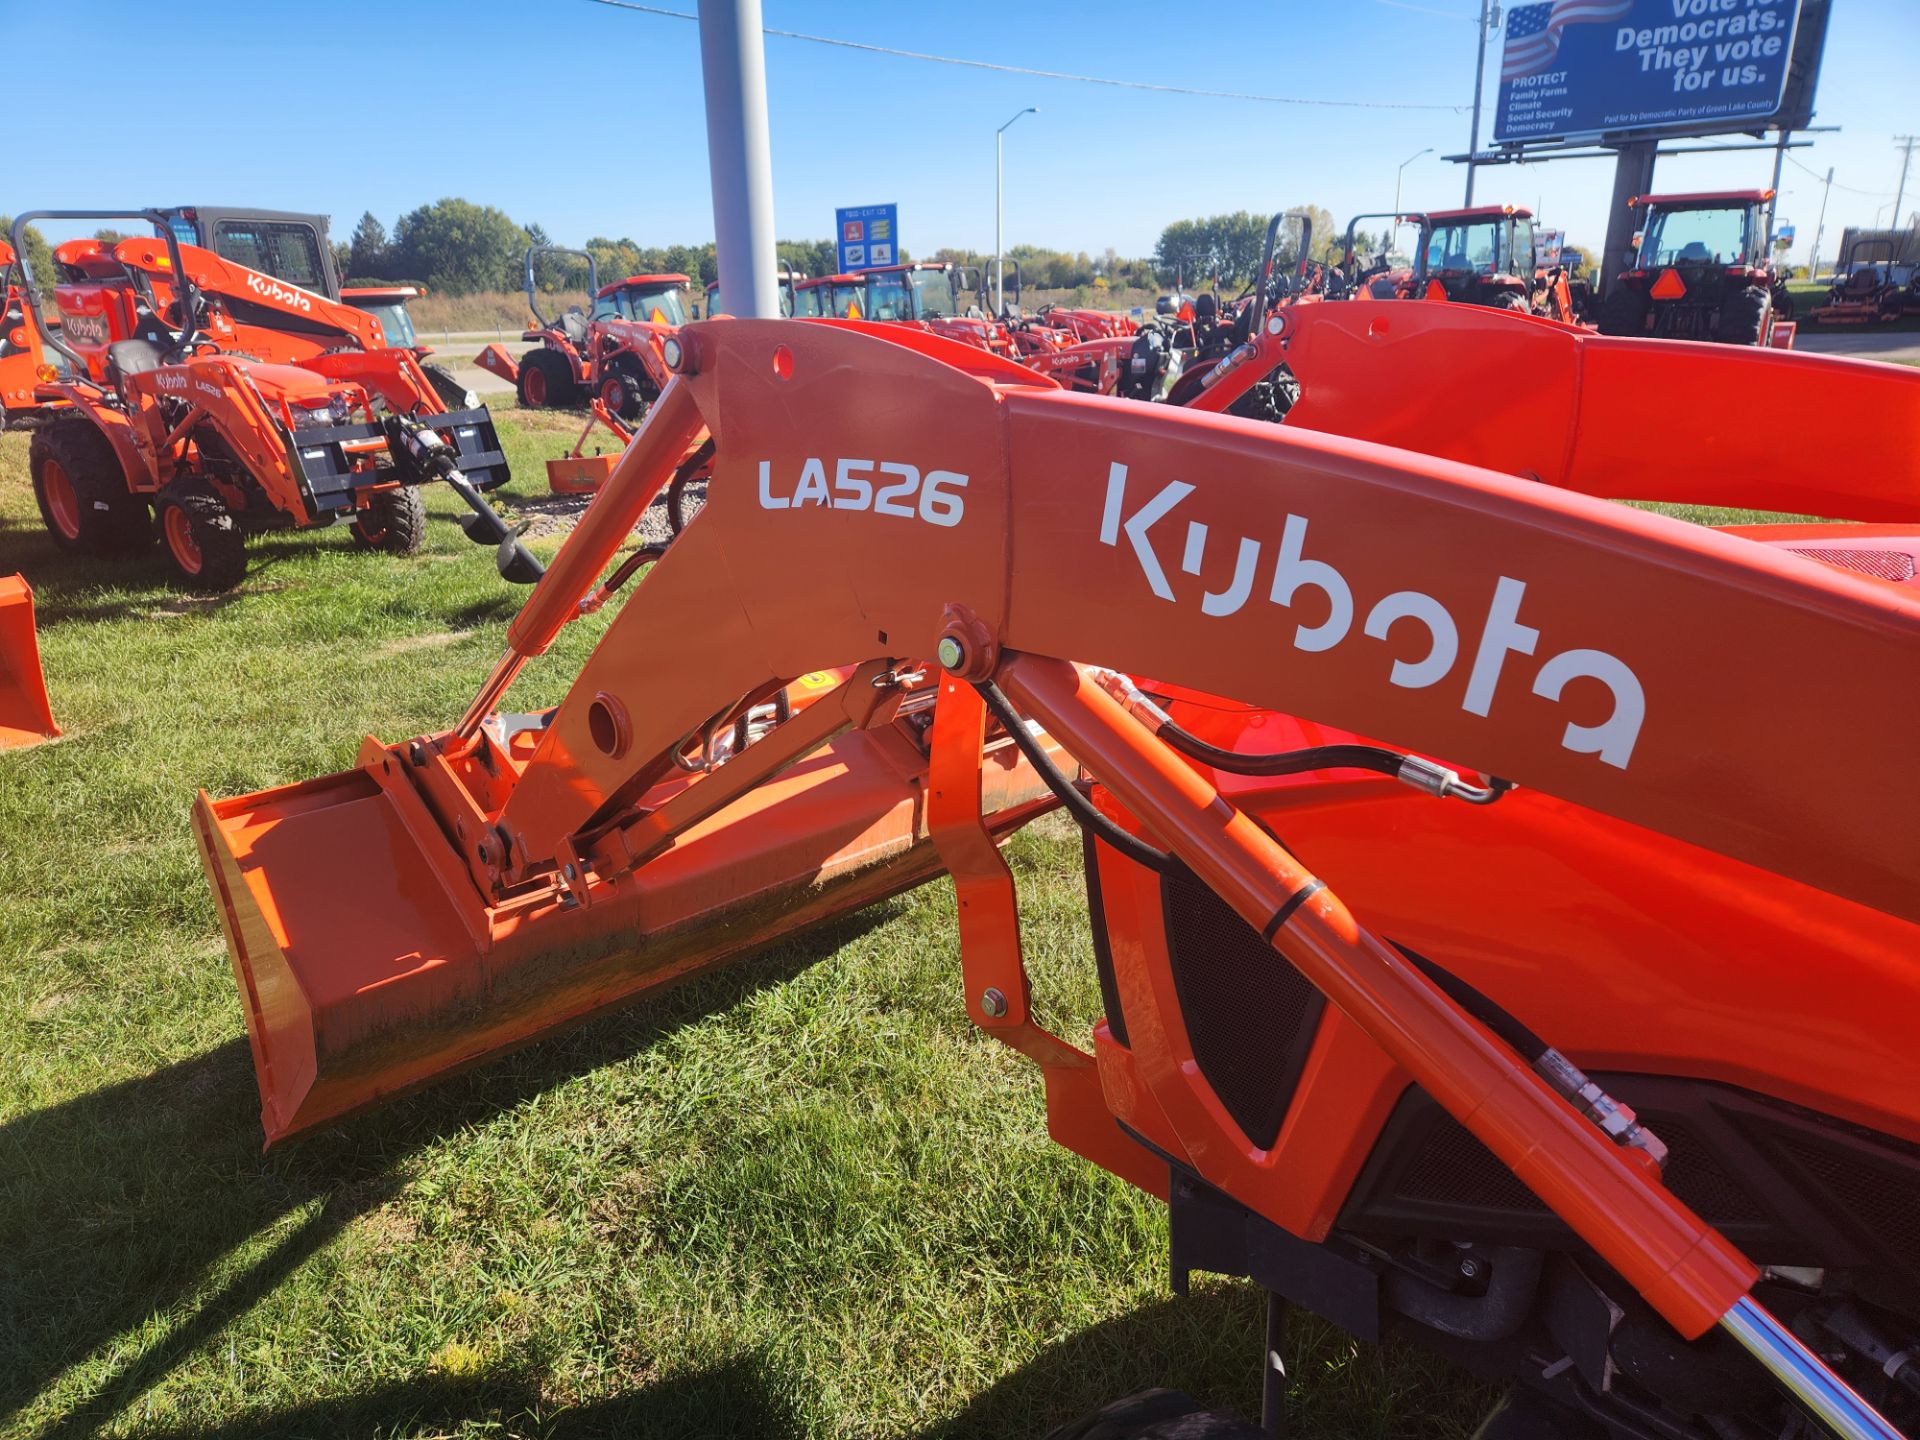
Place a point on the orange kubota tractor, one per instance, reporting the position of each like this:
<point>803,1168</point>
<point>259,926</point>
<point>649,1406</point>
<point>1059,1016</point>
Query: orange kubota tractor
<point>210,400</point>
<point>1597,1076</point>
<point>610,354</point>
<point>1701,272</point>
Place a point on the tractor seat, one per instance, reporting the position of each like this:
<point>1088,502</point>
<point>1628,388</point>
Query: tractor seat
<point>132,357</point>
<point>1693,253</point>
<point>573,325</point>
<point>1863,282</point>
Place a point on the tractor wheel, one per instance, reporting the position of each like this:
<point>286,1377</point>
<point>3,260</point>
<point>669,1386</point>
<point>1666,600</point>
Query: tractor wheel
<point>1156,1415</point>
<point>545,379</point>
<point>394,521</point>
<point>452,393</point>
<point>82,492</point>
<point>1625,310</point>
<point>203,540</point>
<point>623,390</point>
<point>1744,315</point>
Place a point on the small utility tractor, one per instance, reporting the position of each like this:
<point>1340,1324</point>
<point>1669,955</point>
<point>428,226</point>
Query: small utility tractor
<point>1476,964</point>
<point>179,423</point>
<point>610,353</point>
<point>1871,288</point>
<point>1701,272</point>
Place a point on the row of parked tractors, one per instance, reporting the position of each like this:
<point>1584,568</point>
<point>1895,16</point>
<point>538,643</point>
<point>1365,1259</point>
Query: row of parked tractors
<point>213,378</point>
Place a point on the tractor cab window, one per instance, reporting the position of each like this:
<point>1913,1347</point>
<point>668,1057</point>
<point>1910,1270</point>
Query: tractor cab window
<point>283,249</point>
<point>1521,259</point>
<point>714,304</point>
<point>1469,247</point>
<point>888,297</point>
<point>395,323</point>
<point>806,303</point>
<point>658,304</point>
<point>839,301</point>
<point>1718,236</point>
<point>933,293</point>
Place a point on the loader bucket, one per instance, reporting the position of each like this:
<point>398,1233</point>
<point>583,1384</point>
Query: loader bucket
<point>352,998</point>
<point>579,474</point>
<point>25,717</point>
<point>497,361</point>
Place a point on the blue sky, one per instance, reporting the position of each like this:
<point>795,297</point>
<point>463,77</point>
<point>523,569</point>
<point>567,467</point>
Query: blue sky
<point>589,119</point>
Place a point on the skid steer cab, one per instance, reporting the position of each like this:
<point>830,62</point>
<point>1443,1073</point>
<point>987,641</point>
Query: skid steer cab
<point>177,429</point>
<point>611,353</point>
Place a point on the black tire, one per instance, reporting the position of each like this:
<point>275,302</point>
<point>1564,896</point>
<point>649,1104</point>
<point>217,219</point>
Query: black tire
<point>624,391</point>
<point>202,541</point>
<point>452,393</point>
<point>1156,1415</point>
<point>546,380</point>
<point>81,489</point>
<point>1625,310</point>
<point>395,521</point>
<point>1743,317</point>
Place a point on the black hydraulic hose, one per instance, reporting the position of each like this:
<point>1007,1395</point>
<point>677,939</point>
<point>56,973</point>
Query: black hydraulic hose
<point>1499,1021</point>
<point>1391,763</point>
<point>1077,804</point>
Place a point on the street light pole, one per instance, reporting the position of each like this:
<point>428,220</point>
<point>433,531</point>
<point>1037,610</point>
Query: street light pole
<point>1396,187</point>
<point>1813,260</point>
<point>733,63</point>
<point>999,177</point>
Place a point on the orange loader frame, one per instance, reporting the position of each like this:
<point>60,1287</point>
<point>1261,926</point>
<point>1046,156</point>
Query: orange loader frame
<point>740,756</point>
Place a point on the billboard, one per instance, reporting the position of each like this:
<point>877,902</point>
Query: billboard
<point>868,235</point>
<point>1584,68</point>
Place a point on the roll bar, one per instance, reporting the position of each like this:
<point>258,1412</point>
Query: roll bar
<point>593,277</point>
<point>1266,259</point>
<point>191,302</point>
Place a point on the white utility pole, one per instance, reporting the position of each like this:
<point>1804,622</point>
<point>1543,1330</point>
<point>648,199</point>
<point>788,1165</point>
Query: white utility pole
<point>999,178</point>
<point>1813,260</point>
<point>1479,83</point>
<point>733,63</point>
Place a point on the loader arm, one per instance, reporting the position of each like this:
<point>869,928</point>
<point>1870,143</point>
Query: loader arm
<point>949,504</point>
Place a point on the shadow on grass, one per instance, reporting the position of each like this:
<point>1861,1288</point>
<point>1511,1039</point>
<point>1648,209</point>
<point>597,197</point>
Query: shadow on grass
<point>115,1207</point>
<point>1208,1345</point>
<point>729,1399</point>
<point>750,1395</point>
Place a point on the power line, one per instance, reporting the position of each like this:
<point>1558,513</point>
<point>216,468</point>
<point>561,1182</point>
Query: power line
<point>1851,190</point>
<point>1044,74</point>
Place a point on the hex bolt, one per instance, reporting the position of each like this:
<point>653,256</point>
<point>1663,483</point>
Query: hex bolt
<point>1469,1268</point>
<point>952,653</point>
<point>992,1002</point>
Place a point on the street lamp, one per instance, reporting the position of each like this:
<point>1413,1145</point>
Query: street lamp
<point>1396,188</point>
<point>999,175</point>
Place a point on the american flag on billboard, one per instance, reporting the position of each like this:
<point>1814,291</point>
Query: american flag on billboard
<point>1533,31</point>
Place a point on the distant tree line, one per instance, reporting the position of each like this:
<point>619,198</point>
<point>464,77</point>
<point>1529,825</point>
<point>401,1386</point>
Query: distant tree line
<point>456,247</point>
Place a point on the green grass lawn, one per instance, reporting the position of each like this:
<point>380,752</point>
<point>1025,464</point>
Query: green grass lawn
<point>800,1197</point>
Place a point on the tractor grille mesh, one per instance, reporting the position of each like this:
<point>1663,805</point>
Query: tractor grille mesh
<point>1249,1014</point>
<point>1454,1168</point>
<point>1881,1202</point>
<point>1896,565</point>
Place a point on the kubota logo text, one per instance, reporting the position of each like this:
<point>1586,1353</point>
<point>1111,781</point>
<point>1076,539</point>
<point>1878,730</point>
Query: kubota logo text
<point>1292,572</point>
<point>886,487</point>
<point>273,290</point>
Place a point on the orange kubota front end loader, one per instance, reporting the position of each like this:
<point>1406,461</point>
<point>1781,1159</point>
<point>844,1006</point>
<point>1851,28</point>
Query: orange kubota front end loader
<point>1506,900</point>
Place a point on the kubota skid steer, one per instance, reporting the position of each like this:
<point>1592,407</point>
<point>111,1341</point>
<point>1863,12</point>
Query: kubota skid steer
<point>174,409</point>
<point>1595,1075</point>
